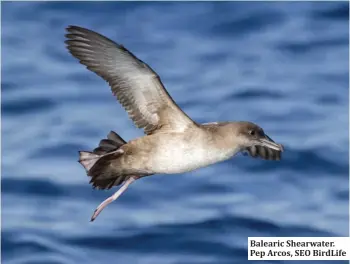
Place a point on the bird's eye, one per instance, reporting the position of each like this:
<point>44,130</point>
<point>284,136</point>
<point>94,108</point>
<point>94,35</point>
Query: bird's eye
<point>252,132</point>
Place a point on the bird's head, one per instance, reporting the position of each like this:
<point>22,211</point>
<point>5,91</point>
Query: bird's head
<point>252,139</point>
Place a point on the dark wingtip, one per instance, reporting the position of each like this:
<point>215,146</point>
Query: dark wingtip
<point>79,152</point>
<point>282,147</point>
<point>93,217</point>
<point>69,27</point>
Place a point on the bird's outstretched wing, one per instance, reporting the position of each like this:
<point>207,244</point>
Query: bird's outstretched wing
<point>137,87</point>
<point>263,153</point>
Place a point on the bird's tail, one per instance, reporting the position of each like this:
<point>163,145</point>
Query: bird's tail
<point>96,163</point>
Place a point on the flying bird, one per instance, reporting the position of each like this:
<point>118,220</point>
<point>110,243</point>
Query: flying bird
<point>173,142</point>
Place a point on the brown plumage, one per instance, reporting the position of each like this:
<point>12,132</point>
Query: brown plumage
<point>150,106</point>
<point>173,143</point>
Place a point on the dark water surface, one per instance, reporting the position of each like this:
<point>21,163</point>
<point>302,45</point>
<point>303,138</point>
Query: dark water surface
<point>282,65</point>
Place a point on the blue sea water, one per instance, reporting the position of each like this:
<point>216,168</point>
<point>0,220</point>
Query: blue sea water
<point>284,66</point>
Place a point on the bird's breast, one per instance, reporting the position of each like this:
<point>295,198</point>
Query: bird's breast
<point>178,155</point>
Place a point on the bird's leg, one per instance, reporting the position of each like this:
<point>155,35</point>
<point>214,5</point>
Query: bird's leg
<point>112,198</point>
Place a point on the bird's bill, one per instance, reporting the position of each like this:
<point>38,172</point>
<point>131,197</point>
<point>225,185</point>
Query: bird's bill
<point>269,143</point>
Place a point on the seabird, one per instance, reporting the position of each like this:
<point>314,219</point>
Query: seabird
<point>173,142</point>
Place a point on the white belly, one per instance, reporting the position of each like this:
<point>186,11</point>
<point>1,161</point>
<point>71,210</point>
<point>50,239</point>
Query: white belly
<point>177,156</point>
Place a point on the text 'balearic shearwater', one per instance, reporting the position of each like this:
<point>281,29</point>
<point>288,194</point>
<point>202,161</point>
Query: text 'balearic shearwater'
<point>173,142</point>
